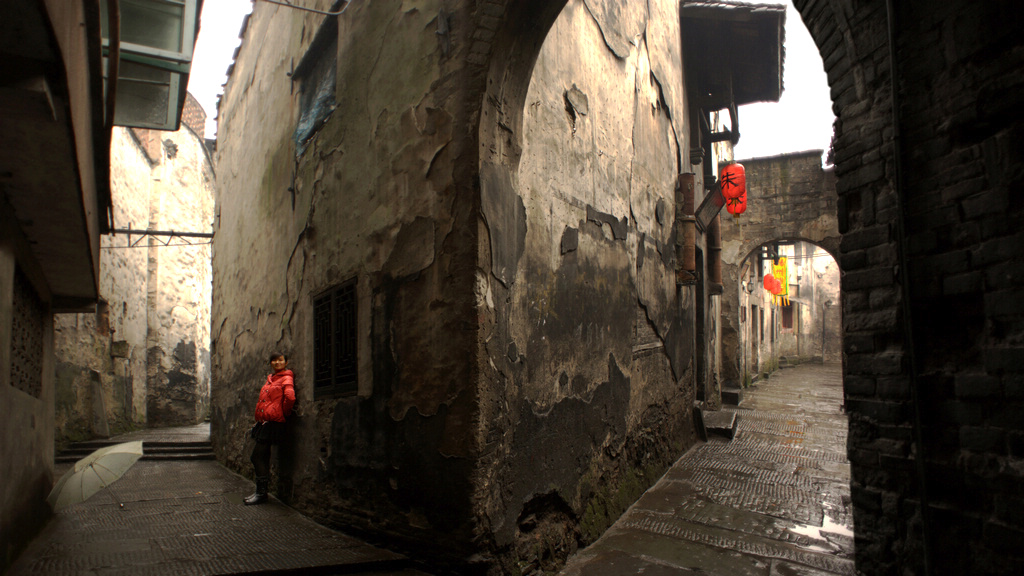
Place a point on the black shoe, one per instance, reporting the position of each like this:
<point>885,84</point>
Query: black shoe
<point>260,496</point>
<point>256,498</point>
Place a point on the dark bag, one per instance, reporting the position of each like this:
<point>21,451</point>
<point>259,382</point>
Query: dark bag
<point>255,430</point>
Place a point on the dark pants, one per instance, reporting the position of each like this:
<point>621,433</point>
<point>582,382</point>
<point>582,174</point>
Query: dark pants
<point>260,458</point>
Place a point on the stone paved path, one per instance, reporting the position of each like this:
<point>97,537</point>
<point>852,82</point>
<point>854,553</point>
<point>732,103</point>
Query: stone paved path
<point>186,517</point>
<point>774,501</point>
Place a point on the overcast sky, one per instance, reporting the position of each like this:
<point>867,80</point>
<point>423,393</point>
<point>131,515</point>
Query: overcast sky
<point>801,120</point>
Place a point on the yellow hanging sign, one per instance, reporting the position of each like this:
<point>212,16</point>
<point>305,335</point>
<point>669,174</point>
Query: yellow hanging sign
<point>781,271</point>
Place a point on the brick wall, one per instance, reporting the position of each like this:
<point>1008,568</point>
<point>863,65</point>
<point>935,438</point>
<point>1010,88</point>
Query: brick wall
<point>193,116</point>
<point>941,378</point>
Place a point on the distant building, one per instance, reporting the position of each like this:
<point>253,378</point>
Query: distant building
<point>142,358</point>
<point>805,325</point>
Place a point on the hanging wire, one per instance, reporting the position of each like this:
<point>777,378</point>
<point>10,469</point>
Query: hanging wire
<point>289,5</point>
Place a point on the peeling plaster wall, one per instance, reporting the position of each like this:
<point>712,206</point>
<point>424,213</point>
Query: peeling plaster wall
<point>475,395</point>
<point>588,376</point>
<point>371,198</point>
<point>142,358</point>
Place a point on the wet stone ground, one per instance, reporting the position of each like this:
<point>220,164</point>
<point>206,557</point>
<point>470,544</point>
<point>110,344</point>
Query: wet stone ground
<point>773,501</point>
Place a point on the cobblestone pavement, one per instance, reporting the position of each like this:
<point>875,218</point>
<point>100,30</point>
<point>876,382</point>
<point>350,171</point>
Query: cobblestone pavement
<point>773,501</point>
<point>186,517</point>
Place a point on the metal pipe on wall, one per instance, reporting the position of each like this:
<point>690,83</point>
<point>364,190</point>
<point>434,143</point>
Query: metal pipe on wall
<point>715,250</point>
<point>688,223</point>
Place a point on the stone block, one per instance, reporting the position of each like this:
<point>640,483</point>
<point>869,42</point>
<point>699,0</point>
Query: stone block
<point>1004,360</point>
<point>946,264</point>
<point>1004,303</point>
<point>120,349</point>
<point>863,457</point>
<point>1005,275</point>
<point>853,260</point>
<point>935,217</point>
<point>873,321</point>
<point>959,413</point>
<point>866,238</point>
<point>866,498</point>
<point>1009,508</point>
<point>962,283</point>
<point>879,411</point>
<point>897,388</point>
<point>865,175</point>
<point>884,297</point>
<point>998,250</point>
<point>879,363</point>
<point>858,343</point>
<point>1002,538</point>
<point>962,189</point>
<point>990,202</point>
<point>1013,386</point>
<point>867,278</point>
<point>1015,444</point>
<point>983,439</point>
<point>901,432</point>
<point>859,386</point>
<point>922,242</point>
<point>1003,415</point>
<point>978,385</point>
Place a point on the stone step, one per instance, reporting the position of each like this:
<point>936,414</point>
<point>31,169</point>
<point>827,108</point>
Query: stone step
<point>732,396</point>
<point>151,450</point>
<point>720,422</point>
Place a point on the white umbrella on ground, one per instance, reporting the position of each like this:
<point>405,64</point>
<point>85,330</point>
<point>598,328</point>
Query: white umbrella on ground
<point>93,473</point>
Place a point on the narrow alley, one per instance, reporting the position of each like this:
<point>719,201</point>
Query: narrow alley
<point>775,499</point>
<point>772,500</point>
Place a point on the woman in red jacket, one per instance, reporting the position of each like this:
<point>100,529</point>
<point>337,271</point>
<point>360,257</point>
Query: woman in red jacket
<point>275,404</point>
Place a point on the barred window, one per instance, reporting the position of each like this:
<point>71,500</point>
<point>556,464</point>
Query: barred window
<point>335,354</point>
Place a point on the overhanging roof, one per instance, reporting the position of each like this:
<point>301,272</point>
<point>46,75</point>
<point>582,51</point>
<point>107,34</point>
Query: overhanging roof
<point>733,51</point>
<point>54,154</point>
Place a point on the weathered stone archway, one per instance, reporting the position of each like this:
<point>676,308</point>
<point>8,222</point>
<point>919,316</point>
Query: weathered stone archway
<point>790,197</point>
<point>903,244</point>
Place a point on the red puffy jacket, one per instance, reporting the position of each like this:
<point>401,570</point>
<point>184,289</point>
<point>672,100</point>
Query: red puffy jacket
<point>276,397</point>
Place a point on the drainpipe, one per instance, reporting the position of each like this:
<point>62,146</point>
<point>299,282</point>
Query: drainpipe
<point>715,252</point>
<point>688,222</point>
<point>901,248</point>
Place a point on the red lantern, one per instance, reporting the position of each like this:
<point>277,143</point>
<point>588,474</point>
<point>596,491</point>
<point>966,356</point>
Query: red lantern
<point>733,180</point>
<point>776,286</point>
<point>769,282</point>
<point>736,206</point>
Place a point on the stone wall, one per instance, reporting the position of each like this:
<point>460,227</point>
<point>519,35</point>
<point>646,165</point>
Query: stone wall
<point>142,358</point>
<point>587,388</point>
<point>371,199</point>
<point>525,360</point>
<point>934,419</point>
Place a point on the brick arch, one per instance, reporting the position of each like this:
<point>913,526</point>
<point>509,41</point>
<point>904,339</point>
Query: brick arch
<point>749,248</point>
<point>853,42</point>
